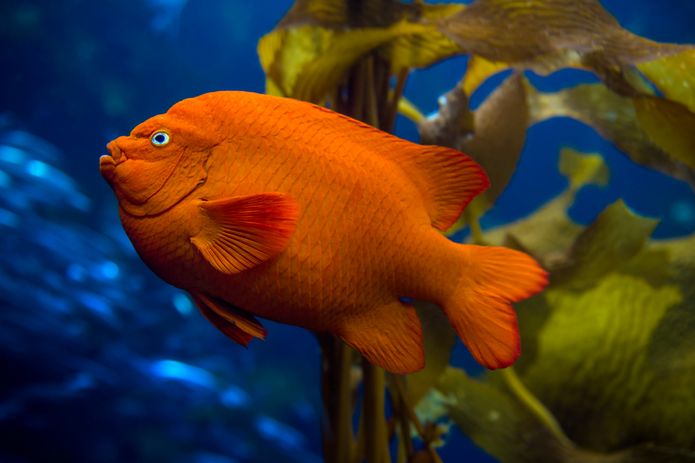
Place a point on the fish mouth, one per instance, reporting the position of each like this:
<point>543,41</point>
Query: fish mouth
<point>109,162</point>
<point>106,161</point>
<point>116,153</point>
<point>107,167</point>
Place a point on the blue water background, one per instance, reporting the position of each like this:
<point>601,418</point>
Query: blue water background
<point>101,361</point>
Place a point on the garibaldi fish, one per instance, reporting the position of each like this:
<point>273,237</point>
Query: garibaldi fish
<point>271,207</point>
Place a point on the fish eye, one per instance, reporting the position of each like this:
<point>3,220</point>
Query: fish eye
<point>159,138</point>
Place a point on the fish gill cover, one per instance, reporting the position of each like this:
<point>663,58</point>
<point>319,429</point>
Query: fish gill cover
<point>103,363</point>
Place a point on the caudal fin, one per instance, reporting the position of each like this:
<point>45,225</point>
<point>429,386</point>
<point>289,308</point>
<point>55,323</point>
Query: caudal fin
<point>480,306</point>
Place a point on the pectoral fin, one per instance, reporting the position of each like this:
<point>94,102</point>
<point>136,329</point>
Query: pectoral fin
<point>236,324</point>
<point>244,231</point>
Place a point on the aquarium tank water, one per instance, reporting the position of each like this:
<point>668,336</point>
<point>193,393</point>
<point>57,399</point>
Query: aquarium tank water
<point>582,115</point>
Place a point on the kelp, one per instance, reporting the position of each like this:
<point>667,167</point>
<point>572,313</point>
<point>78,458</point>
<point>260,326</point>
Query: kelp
<point>601,351</point>
<point>615,236</point>
<point>493,135</point>
<point>616,118</point>
<point>652,131</point>
<point>673,75</point>
<point>669,125</point>
<point>549,232</point>
<point>546,35</point>
<point>307,55</point>
<point>608,349</point>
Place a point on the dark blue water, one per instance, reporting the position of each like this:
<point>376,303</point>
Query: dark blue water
<point>103,362</point>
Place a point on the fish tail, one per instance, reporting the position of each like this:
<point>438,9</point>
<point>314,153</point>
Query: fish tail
<point>480,305</point>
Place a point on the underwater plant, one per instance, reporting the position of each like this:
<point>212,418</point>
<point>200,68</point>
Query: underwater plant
<point>608,367</point>
<point>104,363</point>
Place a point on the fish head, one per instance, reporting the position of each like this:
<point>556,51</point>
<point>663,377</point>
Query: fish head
<point>163,160</point>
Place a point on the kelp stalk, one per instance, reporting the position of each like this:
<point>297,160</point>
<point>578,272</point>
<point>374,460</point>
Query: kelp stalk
<point>336,364</point>
<point>472,220</point>
<point>390,116</point>
<point>535,406</point>
<point>374,431</point>
<point>374,421</point>
<point>406,449</point>
<point>405,413</point>
<point>340,50</point>
<point>366,96</point>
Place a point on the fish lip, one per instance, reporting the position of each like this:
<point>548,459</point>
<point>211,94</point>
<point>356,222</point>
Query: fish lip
<point>107,167</point>
<point>116,153</point>
<point>107,161</point>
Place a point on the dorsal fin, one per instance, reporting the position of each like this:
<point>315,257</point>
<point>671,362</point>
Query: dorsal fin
<point>447,179</point>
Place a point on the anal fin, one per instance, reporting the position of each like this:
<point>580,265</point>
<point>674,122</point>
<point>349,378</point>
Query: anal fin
<point>389,336</point>
<point>235,323</point>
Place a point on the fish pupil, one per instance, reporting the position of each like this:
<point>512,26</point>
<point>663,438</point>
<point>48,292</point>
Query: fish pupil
<point>160,138</point>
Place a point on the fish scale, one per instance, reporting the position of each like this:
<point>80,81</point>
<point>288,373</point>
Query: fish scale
<point>310,218</point>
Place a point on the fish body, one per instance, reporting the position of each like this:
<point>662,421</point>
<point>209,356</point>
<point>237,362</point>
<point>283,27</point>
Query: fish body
<point>265,206</point>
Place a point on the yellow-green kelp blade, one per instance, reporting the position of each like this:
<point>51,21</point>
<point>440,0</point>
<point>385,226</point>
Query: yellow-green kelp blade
<point>611,362</point>
<point>616,236</point>
<point>439,342</point>
<point>308,62</point>
<point>546,35</point>
<point>669,125</point>
<point>548,233</point>
<point>674,76</point>
<point>309,52</point>
<point>607,349</point>
<point>493,135</point>
<point>616,119</point>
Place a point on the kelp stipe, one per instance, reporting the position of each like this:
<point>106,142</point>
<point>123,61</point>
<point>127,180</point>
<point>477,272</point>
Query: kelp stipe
<point>364,94</point>
<point>612,332</point>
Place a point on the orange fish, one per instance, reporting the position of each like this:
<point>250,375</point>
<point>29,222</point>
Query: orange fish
<point>266,206</point>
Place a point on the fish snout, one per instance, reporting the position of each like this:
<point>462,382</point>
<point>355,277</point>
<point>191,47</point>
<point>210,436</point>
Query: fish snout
<point>116,152</point>
<point>106,162</point>
<point>109,162</point>
<point>107,167</point>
